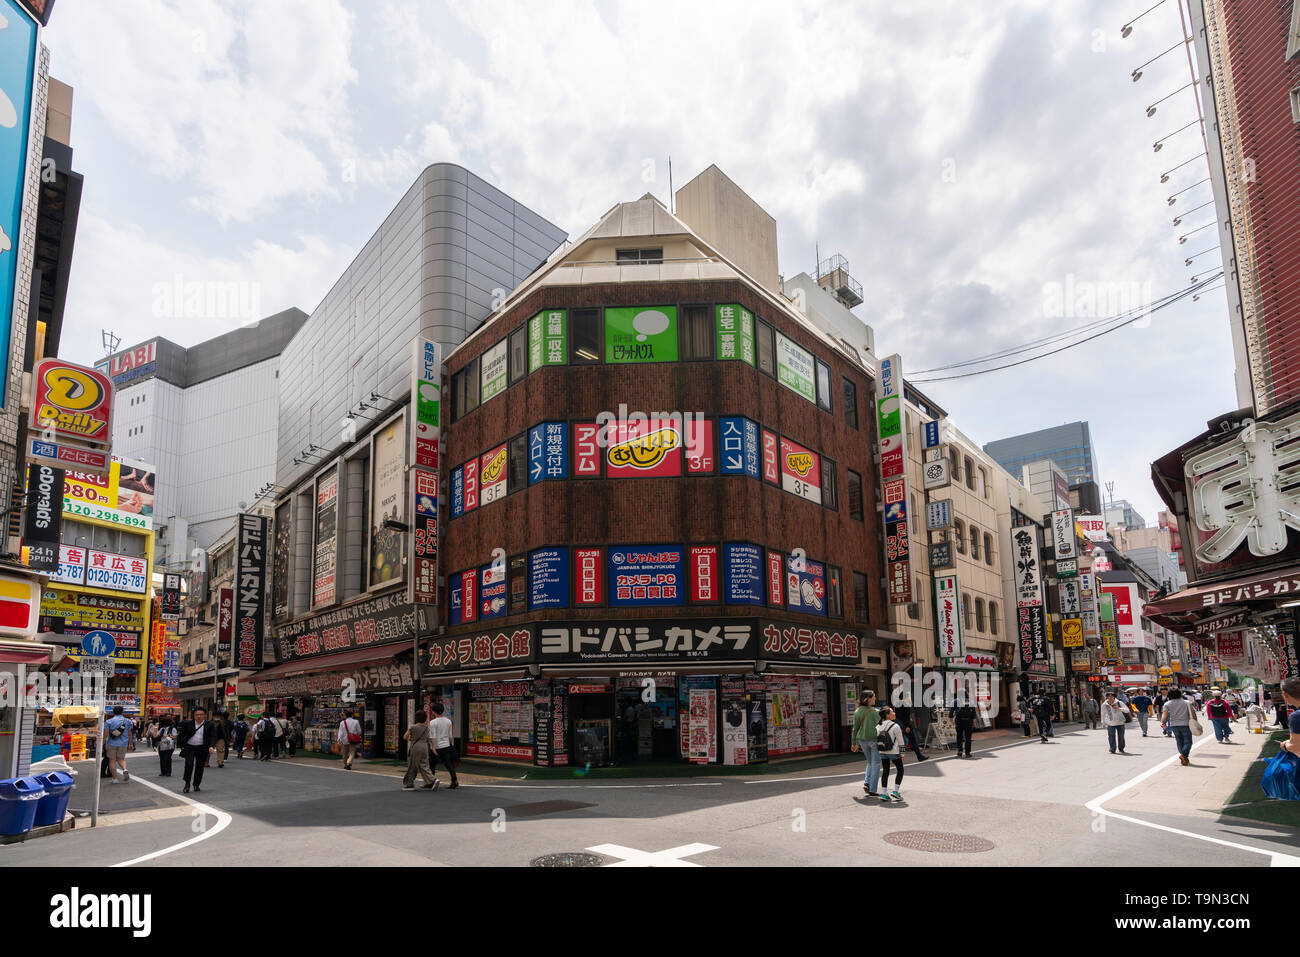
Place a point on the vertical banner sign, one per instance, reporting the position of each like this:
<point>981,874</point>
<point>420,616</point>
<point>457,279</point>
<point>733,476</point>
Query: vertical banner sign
<point>388,459</point>
<point>890,424</point>
<point>547,339</point>
<point>17,69</point>
<point>280,567</point>
<point>44,516</point>
<point>947,610</point>
<point>250,585</point>
<point>327,522</point>
<point>735,325</point>
<point>1024,548</point>
<point>492,371</point>
<point>704,573</point>
<point>426,431</point>
<point>171,597</point>
<point>775,579</point>
<point>801,471</point>
<point>1063,534</point>
<point>590,569</point>
<point>548,452</point>
<point>1033,634</point>
<point>225,620</point>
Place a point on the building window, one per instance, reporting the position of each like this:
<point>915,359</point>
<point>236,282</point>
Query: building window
<point>959,533</point>
<point>830,493</point>
<point>855,494</point>
<point>766,348</point>
<point>968,611</point>
<point>75,534</point>
<point>850,403</point>
<point>823,385</point>
<point>517,463</point>
<point>979,614</point>
<point>988,549</point>
<point>518,354</point>
<point>697,332</point>
<point>465,390</point>
<point>860,606</point>
<point>993,617</point>
<point>970,473</point>
<point>974,543</point>
<point>914,606</point>
<point>584,336</point>
<point>517,577</point>
<point>955,462</point>
<point>834,593</point>
<point>629,256</point>
<point>984,481</point>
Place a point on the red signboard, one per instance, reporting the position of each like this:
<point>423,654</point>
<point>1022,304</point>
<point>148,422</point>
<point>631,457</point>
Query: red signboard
<point>589,587</point>
<point>471,484</point>
<point>73,401</point>
<point>801,471</point>
<point>586,452</point>
<point>225,620</point>
<point>775,579</point>
<point>703,573</point>
<point>771,467</point>
<point>644,449</point>
<point>469,595</point>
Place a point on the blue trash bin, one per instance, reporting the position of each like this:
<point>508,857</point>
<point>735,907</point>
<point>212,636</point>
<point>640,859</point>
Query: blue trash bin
<point>18,800</point>
<point>58,789</point>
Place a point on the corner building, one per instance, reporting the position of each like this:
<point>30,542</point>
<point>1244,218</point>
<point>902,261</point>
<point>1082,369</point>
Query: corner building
<point>700,582</point>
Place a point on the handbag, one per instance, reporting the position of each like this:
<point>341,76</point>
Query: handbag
<point>1282,777</point>
<point>352,738</point>
<point>1195,725</point>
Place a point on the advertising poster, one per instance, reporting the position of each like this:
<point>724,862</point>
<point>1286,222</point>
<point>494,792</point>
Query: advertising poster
<point>689,716</point>
<point>72,566</point>
<point>548,452</point>
<point>424,544</point>
<point>643,449</point>
<point>771,458</point>
<point>1032,622</point>
<point>388,501</point>
<point>135,487</point>
<point>327,523</point>
<point>586,451</point>
<point>703,726</point>
<point>118,572</point>
<point>805,586</point>
<point>492,371</point>
<point>1128,613</point>
<point>641,334</point>
<point>947,605</point>
<point>171,597</point>
<point>738,438</point>
<point>647,575</point>
<point>492,592</point>
<point>548,576</point>
<point>93,611</point>
<point>1068,592</point>
<point>280,567</point>
<point>589,567</point>
<point>744,565</point>
<point>704,573</point>
<point>17,68</point>
<point>501,720</point>
<point>801,472</point>
<point>735,329</point>
<point>795,368</point>
<point>250,590</point>
<point>456,490</point>
<point>92,489</point>
<point>735,720</point>
<point>1071,632</point>
<point>548,343</point>
<point>492,475</point>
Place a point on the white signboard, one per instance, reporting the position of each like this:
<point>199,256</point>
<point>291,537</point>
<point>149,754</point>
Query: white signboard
<point>1069,592</point>
<point>493,372</point>
<point>72,565</point>
<point>1024,553</point>
<point>794,368</point>
<point>938,514</point>
<point>1094,526</point>
<point>96,666</point>
<point>1063,533</point>
<point>934,474</point>
<point>947,606</point>
<point>119,572</point>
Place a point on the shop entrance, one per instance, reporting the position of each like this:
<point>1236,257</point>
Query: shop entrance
<point>645,716</point>
<point>592,706</point>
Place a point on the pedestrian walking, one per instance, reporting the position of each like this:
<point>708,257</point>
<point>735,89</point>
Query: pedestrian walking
<point>905,721</point>
<point>865,721</point>
<point>1042,708</point>
<point>444,748</point>
<point>277,742</point>
<point>964,718</point>
<point>1158,708</point>
<point>292,737</point>
<point>151,733</point>
<point>349,738</point>
<point>241,735</point>
<point>1112,716</point>
<point>889,739</point>
<point>417,754</point>
<point>1141,705</point>
<point>196,737</point>
<point>117,741</point>
<point>1091,712</point>
<point>1021,715</point>
<point>1291,694</point>
<point>1219,712</point>
<point>165,743</point>
<point>221,742</point>
<point>265,733</point>
<point>1176,719</point>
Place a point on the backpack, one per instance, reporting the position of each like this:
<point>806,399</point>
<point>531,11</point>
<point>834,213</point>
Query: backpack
<point>884,739</point>
<point>1282,777</point>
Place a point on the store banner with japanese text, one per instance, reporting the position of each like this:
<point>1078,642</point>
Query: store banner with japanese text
<point>225,620</point>
<point>641,334</point>
<point>547,339</point>
<point>388,504</point>
<point>735,332</point>
<point>324,565</point>
<point>947,606</point>
<point>892,428</point>
<point>361,624</point>
<point>1063,539</point>
<point>250,589</point>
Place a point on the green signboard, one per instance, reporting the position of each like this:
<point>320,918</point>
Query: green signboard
<point>547,339</point>
<point>794,368</point>
<point>735,327</point>
<point>641,334</point>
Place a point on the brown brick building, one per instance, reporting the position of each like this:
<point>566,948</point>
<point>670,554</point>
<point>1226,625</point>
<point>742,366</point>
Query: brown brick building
<point>703,583</point>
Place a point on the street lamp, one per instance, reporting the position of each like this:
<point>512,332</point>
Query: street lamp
<point>1160,143</point>
<point>1182,239</point>
<point>1178,220</point>
<point>1137,71</point>
<point>1173,198</point>
<point>1164,177</point>
<point>1188,260</point>
<point>1151,110</point>
<point>1128,27</point>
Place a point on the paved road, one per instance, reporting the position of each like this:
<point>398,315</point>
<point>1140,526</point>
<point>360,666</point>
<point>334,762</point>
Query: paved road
<point>1027,801</point>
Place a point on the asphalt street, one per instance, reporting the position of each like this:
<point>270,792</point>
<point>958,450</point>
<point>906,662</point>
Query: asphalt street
<point>1018,803</point>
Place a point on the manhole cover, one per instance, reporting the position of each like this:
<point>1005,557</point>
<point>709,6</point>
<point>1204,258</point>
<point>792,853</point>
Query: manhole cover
<point>538,808</point>
<point>939,842</point>
<point>566,860</point>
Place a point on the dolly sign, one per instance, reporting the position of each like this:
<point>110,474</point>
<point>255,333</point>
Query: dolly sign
<point>74,402</point>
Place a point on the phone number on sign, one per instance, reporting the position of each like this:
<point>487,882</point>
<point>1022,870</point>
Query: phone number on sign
<point>105,514</point>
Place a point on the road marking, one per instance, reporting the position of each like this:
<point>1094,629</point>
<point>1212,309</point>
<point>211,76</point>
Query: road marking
<point>1276,858</point>
<point>594,787</point>
<point>858,774</point>
<point>223,821</point>
<point>672,857</point>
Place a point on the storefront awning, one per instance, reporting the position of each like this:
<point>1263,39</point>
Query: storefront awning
<point>1208,605</point>
<point>25,653</point>
<point>325,663</point>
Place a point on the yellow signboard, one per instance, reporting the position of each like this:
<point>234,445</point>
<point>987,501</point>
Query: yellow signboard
<point>111,614</point>
<point>1072,632</point>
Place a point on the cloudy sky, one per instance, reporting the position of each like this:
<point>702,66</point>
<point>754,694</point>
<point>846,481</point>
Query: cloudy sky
<point>969,159</point>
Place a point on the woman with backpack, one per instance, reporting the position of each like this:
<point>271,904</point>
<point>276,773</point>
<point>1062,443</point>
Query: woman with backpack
<point>890,744</point>
<point>166,744</point>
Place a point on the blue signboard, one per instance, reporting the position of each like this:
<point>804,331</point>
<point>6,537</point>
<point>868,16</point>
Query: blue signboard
<point>647,575</point>
<point>17,66</point>
<point>743,566</point>
<point>453,585</point>
<point>457,492</point>
<point>931,434</point>
<point>98,644</point>
<point>491,592</point>
<point>548,578</point>
<point>805,590</point>
<point>738,440</point>
<point>548,452</point>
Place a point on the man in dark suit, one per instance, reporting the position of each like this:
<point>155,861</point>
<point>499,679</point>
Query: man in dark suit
<point>196,738</point>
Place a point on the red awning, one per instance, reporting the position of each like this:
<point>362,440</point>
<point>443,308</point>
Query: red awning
<point>1275,587</point>
<point>326,663</point>
<point>24,653</point>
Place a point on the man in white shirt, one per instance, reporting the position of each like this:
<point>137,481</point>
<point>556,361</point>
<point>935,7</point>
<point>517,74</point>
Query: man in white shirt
<point>440,739</point>
<point>349,727</point>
